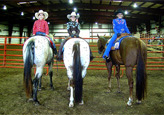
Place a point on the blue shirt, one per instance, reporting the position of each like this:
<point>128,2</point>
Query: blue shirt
<point>119,26</point>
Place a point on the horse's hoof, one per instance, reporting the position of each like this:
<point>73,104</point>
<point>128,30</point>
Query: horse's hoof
<point>37,103</point>
<point>108,91</point>
<point>129,103</point>
<point>52,88</point>
<point>82,103</point>
<point>30,100</point>
<point>71,104</point>
<point>138,101</point>
<point>68,88</point>
<point>118,91</point>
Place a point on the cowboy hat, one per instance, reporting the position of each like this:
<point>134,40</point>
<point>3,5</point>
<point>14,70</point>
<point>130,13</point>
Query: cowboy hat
<point>119,11</point>
<point>41,12</point>
<point>73,14</point>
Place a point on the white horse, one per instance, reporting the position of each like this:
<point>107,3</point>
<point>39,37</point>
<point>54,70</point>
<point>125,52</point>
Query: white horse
<point>76,58</point>
<point>36,50</point>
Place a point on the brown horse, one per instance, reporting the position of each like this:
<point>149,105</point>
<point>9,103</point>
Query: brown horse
<point>132,52</point>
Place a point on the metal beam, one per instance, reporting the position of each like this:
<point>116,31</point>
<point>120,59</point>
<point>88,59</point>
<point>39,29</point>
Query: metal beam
<point>91,6</point>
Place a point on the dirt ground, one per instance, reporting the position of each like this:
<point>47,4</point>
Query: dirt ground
<point>95,96</point>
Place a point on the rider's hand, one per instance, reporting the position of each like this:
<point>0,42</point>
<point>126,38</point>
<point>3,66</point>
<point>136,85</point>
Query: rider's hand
<point>118,35</point>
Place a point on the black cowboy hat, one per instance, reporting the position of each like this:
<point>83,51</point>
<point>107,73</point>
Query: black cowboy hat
<point>119,11</point>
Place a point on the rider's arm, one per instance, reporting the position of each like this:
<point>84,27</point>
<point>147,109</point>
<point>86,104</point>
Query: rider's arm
<point>68,29</point>
<point>78,30</point>
<point>46,28</point>
<point>114,27</point>
<point>34,28</point>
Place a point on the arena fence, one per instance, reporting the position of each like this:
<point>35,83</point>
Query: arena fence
<point>11,55</point>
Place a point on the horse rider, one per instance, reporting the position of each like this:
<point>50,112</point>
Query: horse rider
<point>40,27</point>
<point>73,28</point>
<point>119,27</point>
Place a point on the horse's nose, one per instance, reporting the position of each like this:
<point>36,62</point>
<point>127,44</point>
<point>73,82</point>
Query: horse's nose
<point>99,52</point>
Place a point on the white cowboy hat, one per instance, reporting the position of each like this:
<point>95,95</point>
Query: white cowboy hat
<point>41,12</point>
<point>73,14</point>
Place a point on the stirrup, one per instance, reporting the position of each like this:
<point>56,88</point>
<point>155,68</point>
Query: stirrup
<point>55,51</point>
<point>107,59</point>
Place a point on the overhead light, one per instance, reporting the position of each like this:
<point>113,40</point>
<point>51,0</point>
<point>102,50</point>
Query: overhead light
<point>33,17</point>
<point>21,3</point>
<point>4,7</point>
<point>75,9</point>
<point>96,23</point>
<point>135,5</point>
<point>117,1</point>
<point>126,12</point>
<point>70,1</point>
<point>22,13</point>
<point>33,2</point>
<point>30,2</point>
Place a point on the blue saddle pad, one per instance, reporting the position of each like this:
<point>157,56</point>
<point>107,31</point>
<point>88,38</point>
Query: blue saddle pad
<point>117,43</point>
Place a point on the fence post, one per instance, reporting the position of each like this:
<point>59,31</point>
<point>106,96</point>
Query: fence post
<point>4,56</point>
<point>47,71</point>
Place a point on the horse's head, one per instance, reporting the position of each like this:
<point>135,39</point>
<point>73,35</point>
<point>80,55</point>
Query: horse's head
<point>101,43</point>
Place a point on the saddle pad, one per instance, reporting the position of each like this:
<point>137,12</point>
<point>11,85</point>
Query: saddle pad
<point>50,41</point>
<point>117,43</point>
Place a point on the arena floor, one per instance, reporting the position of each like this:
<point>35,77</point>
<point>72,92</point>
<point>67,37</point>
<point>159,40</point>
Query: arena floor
<point>95,96</point>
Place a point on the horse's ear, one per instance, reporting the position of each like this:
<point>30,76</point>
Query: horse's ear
<point>98,36</point>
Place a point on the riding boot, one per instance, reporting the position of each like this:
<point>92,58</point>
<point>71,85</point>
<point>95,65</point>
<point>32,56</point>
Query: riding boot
<point>54,51</point>
<point>91,55</point>
<point>107,59</point>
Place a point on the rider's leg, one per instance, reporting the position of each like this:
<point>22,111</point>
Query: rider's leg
<point>40,33</point>
<point>91,55</point>
<point>106,53</point>
<point>54,47</point>
<point>60,52</point>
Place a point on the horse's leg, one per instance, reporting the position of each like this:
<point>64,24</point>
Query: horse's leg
<point>39,71</point>
<point>40,84</point>
<point>118,76</point>
<point>84,71</point>
<point>68,88</point>
<point>70,76</point>
<point>71,103</point>
<point>109,68</point>
<point>51,74</point>
<point>129,74</point>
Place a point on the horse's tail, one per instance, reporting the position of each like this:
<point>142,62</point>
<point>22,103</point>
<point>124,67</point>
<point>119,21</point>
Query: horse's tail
<point>28,63</point>
<point>77,74</point>
<point>141,79</point>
